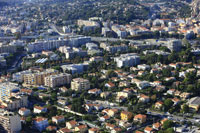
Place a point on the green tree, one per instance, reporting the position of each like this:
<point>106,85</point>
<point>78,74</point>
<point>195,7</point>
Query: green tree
<point>111,73</point>
<point>29,120</point>
<point>185,108</point>
<point>168,104</point>
<point>170,130</point>
<point>168,124</point>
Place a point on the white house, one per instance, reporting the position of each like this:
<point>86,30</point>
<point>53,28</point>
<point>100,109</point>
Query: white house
<point>24,111</point>
<point>58,119</point>
<point>39,109</point>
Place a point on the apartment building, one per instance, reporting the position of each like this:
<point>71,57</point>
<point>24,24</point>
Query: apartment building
<point>71,53</point>
<point>75,68</point>
<point>131,59</point>
<point>87,23</point>
<point>174,45</point>
<point>114,49</point>
<point>6,88</point>
<point>15,102</point>
<point>44,45</point>
<point>9,122</point>
<point>38,78</point>
<point>7,48</point>
<point>57,80</point>
<point>19,76</point>
<point>80,84</point>
<point>40,123</point>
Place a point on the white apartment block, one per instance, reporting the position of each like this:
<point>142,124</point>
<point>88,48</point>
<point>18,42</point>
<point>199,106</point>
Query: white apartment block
<point>6,88</point>
<point>87,23</point>
<point>127,60</point>
<point>44,45</point>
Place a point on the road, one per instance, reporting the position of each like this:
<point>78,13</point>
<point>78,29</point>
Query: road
<point>16,64</point>
<point>175,117</point>
<point>54,28</point>
<point>108,39</point>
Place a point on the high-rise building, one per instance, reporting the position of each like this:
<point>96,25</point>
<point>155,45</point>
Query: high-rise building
<point>9,123</point>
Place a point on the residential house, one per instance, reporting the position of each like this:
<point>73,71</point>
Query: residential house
<point>112,112</point>
<point>194,103</point>
<point>51,128</point>
<point>64,130</point>
<point>177,93</point>
<point>159,105</point>
<point>157,126</point>
<point>124,84</point>
<point>27,91</point>
<point>143,98</point>
<point>105,94</point>
<point>148,129</point>
<point>63,89</point>
<point>81,128</point>
<point>71,124</point>
<point>140,118</point>
<point>94,91</point>
<point>163,121</point>
<point>174,65</point>
<point>185,95</point>
<point>93,130</point>
<point>124,124</point>
<point>176,101</point>
<point>104,118</point>
<point>62,102</point>
<point>123,94</point>
<point>170,79</point>
<point>171,91</point>
<point>39,109</point>
<point>116,130</point>
<point>110,85</point>
<point>125,115</point>
<point>160,88</point>
<point>109,126</point>
<point>143,67</point>
<point>138,131</point>
<point>157,83</point>
<point>58,119</point>
<point>24,111</point>
<point>141,73</point>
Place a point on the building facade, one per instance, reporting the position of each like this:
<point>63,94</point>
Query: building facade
<point>10,123</point>
<point>58,80</point>
<point>80,84</point>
